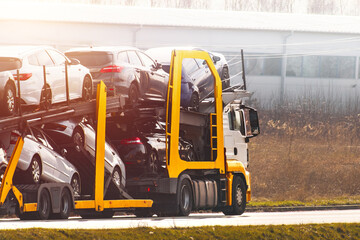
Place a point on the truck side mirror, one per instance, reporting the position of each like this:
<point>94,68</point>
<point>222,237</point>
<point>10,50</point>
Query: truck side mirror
<point>251,122</point>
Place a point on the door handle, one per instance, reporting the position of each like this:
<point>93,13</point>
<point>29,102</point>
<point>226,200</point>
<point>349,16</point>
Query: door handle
<point>40,147</point>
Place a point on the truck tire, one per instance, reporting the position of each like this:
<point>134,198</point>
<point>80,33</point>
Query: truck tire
<point>44,205</point>
<point>238,198</point>
<point>65,204</point>
<point>185,197</point>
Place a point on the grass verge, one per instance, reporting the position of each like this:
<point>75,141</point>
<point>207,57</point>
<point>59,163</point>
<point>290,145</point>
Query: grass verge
<point>345,200</point>
<point>309,231</point>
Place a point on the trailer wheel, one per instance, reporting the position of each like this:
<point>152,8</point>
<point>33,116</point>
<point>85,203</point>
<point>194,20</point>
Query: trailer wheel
<point>238,198</point>
<point>44,205</point>
<point>185,197</point>
<point>65,204</point>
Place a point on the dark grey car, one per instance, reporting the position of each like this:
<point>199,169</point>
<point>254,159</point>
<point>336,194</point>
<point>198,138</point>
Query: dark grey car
<point>124,70</point>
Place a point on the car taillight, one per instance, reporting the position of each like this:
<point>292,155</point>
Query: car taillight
<point>135,140</point>
<point>14,137</point>
<point>22,76</point>
<point>112,68</point>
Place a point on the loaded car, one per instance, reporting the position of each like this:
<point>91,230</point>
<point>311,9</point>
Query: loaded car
<point>41,160</point>
<point>3,162</point>
<point>78,137</point>
<point>31,75</point>
<point>197,80</point>
<point>142,145</point>
<point>124,70</point>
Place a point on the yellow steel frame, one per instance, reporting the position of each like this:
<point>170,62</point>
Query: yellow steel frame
<point>177,165</point>
<point>99,204</point>
<point>233,166</point>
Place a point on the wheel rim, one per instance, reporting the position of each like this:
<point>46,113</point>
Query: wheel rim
<point>75,185</point>
<point>117,178</point>
<point>78,140</point>
<point>185,197</point>
<point>87,89</point>
<point>10,100</point>
<point>153,162</point>
<point>35,170</point>
<point>238,195</point>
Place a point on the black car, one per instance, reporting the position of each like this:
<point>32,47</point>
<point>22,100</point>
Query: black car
<point>142,146</point>
<point>124,70</point>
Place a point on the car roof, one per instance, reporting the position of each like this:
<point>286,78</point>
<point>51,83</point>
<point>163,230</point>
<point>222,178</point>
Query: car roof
<point>19,51</point>
<point>102,49</point>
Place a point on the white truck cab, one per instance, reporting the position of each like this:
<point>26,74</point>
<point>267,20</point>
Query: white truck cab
<point>240,123</point>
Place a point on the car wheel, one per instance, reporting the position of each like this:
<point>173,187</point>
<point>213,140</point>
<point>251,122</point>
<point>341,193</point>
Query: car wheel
<point>87,89</point>
<point>225,78</point>
<point>9,100</point>
<point>44,205</point>
<point>34,170</point>
<point>78,139</point>
<point>2,172</point>
<point>65,204</point>
<point>194,102</point>
<point>76,185</point>
<point>238,198</point>
<point>153,162</point>
<point>191,155</point>
<point>133,94</point>
<point>45,98</point>
<point>116,177</point>
<point>185,197</point>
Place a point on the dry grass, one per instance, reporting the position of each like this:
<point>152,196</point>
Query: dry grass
<point>304,155</point>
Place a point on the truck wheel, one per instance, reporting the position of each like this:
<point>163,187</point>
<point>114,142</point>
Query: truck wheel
<point>44,205</point>
<point>238,198</point>
<point>65,204</point>
<point>185,197</point>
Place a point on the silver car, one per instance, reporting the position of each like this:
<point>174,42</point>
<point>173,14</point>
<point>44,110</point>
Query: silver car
<point>32,88</point>
<point>43,161</point>
<point>79,136</point>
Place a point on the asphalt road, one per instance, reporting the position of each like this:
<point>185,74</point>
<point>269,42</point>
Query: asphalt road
<point>194,220</point>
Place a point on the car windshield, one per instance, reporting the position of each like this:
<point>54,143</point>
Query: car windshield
<point>91,59</point>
